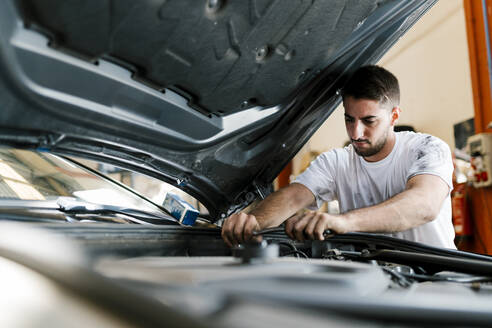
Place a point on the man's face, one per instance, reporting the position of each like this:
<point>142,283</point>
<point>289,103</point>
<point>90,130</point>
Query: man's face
<point>368,125</point>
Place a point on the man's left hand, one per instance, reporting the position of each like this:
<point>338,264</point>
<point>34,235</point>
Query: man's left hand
<point>312,225</point>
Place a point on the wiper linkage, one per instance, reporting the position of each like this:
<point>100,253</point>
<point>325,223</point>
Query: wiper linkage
<point>73,206</point>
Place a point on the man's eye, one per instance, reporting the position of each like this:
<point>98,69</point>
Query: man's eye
<point>369,122</point>
<point>349,120</point>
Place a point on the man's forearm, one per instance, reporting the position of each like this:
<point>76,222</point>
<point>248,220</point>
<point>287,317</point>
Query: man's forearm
<point>407,210</point>
<point>418,204</point>
<point>271,211</point>
<point>280,205</point>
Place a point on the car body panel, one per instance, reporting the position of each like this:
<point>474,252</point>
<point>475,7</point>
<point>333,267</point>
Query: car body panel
<point>219,118</point>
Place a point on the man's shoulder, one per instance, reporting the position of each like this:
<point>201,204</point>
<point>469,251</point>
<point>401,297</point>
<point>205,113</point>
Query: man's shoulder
<point>416,140</point>
<point>425,150</point>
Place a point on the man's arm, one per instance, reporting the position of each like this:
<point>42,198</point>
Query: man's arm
<point>270,212</point>
<point>418,204</point>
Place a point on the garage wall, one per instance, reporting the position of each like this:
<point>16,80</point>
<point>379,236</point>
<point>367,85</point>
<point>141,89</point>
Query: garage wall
<point>432,65</point>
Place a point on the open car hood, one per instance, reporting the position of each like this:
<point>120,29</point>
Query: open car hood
<point>213,96</point>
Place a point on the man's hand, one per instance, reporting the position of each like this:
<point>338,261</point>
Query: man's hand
<point>312,225</point>
<point>238,228</point>
<point>270,212</point>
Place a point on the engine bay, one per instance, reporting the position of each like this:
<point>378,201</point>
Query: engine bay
<point>177,275</point>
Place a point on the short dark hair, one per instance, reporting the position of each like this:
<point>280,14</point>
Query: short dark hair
<point>374,83</point>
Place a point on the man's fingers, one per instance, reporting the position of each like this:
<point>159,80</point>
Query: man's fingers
<point>309,229</point>
<point>226,231</point>
<point>257,239</point>
<point>250,225</point>
<point>300,225</point>
<point>290,223</point>
<point>239,228</point>
<point>226,239</point>
<point>321,225</point>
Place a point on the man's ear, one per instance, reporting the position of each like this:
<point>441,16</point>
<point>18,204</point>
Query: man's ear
<point>395,115</point>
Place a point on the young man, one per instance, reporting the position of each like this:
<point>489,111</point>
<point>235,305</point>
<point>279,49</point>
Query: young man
<point>386,182</point>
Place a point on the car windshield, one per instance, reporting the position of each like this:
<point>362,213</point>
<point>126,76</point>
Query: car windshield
<point>39,176</point>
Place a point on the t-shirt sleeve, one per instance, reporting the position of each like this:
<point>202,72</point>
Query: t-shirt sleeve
<point>319,177</point>
<point>431,155</point>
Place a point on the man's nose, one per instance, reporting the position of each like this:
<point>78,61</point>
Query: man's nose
<point>357,131</point>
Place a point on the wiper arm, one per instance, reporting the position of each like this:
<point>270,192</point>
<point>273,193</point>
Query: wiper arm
<point>73,206</point>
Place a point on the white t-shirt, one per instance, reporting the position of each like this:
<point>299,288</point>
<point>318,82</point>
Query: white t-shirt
<point>343,175</point>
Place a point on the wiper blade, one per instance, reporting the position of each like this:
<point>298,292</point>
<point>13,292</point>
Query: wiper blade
<point>73,206</point>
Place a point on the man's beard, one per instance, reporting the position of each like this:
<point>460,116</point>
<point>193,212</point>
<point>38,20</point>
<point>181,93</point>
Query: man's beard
<point>374,149</point>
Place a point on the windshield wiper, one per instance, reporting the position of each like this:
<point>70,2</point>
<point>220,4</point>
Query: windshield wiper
<point>70,205</point>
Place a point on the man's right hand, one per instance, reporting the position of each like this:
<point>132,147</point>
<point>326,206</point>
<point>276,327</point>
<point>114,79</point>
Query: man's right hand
<point>238,228</point>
